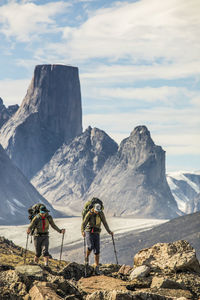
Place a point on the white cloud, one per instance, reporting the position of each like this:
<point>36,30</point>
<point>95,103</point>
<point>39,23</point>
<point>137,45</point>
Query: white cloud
<point>13,91</point>
<point>25,20</point>
<point>143,30</point>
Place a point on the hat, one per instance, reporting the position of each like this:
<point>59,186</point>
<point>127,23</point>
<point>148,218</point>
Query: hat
<point>97,207</point>
<point>43,210</point>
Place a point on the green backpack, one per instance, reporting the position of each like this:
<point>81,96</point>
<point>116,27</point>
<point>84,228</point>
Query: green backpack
<point>90,204</point>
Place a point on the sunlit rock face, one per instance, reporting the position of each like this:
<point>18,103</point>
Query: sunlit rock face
<point>50,115</point>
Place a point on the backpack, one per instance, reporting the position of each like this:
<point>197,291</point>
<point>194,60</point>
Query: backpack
<point>90,204</point>
<point>34,210</point>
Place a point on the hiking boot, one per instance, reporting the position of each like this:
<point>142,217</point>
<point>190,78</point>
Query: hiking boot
<point>97,271</point>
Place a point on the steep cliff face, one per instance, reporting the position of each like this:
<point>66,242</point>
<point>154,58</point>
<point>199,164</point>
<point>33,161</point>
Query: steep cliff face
<point>69,174</point>
<point>16,193</point>
<point>133,182</point>
<point>50,114</point>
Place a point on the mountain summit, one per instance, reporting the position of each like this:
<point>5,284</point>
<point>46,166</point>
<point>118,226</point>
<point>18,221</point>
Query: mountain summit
<point>133,182</point>
<point>49,115</point>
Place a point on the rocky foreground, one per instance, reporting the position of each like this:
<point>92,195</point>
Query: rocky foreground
<point>164,271</point>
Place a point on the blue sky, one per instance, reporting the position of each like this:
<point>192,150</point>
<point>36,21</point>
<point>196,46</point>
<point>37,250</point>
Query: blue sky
<point>139,64</point>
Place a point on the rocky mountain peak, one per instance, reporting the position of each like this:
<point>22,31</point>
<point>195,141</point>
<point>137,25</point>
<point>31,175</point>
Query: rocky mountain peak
<point>6,113</point>
<point>50,115</point>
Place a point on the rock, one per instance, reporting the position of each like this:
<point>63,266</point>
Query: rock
<point>16,193</point>
<point>177,256</point>
<point>125,270</point>
<point>162,282</point>
<point>75,271</point>
<point>76,163</point>
<point>49,115</point>
<point>141,271</point>
<point>137,172</point>
<point>43,292</point>
<point>29,270</point>
<point>101,283</point>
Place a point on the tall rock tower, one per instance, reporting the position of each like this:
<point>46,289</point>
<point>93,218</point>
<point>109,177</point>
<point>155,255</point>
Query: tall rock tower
<point>49,115</point>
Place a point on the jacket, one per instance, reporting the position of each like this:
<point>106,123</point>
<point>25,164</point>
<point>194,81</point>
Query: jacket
<point>37,225</point>
<point>92,222</point>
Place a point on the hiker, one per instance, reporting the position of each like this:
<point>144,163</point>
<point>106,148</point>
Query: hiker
<point>90,229</point>
<point>39,226</point>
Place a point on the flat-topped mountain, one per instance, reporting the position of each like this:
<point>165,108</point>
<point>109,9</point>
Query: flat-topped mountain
<point>49,115</point>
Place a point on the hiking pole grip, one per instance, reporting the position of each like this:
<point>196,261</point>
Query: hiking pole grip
<point>114,249</point>
<point>26,248</point>
<point>61,248</point>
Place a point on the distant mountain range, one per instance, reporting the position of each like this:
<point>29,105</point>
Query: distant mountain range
<point>44,140</point>
<point>185,187</point>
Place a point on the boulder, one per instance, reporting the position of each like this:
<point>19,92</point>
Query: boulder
<point>29,270</point>
<point>176,256</point>
<point>163,282</point>
<point>138,272</point>
<point>43,291</point>
<point>75,271</point>
<point>125,270</point>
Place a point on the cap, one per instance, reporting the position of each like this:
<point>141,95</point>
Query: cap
<point>97,207</point>
<point>43,210</point>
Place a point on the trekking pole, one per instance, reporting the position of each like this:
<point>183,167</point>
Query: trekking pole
<point>26,248</point>
<point>114,249</point>
<point>61,248</point>
<point>85,257</point>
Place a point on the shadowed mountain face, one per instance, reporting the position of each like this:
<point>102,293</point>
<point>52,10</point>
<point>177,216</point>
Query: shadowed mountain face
<point>16,193</point>
<point>50,115</point>
<point>130,179</point>
<point>6,113</point>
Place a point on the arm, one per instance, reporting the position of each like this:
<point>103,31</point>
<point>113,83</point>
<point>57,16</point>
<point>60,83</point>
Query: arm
<point>103,219</point>
<point>32,224</point>
<point>53,225</point>
<point>85,221</point>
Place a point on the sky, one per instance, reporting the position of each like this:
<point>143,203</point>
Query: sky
<point>139,64</point>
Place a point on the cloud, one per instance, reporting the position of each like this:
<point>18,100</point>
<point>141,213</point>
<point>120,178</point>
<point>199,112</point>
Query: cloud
<point>141,31</point>
<point>26,20</point>
<point>13,91</point>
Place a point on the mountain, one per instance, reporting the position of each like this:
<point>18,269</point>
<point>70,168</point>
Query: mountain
<point>72,169</point>
<point>130,179</point>
<point>49,115</point>
<point>6,113</point>
<point>185,187</point>
<point>16,193</point>
<point>133,182</point>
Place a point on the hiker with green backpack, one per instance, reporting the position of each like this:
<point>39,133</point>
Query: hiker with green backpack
<point>39,226</point>
<point>91,227</point>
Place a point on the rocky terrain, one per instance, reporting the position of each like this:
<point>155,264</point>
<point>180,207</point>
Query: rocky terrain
<point>17,194</point>
<point>6,113</point>
<point>185,188</point>
<point>49,115</point>
<point>164,271</point>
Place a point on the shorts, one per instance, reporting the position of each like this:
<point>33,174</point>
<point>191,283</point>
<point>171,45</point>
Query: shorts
<point>41,243</point>
<point>93,242</point>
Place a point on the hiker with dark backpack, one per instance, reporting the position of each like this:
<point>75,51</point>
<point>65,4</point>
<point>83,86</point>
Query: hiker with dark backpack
<point>39,227</point>
<point>91,227</point>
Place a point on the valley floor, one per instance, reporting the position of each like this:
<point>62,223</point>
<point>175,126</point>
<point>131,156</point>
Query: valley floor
<point>73,241</point>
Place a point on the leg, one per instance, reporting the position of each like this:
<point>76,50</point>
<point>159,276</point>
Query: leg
<point>97,252</point>
<point>38,248</point>
<point>90,245</point>
<point>45,251</point>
